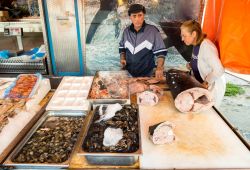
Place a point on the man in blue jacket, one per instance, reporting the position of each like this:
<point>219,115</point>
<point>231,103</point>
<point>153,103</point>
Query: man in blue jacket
<point>140,44</point>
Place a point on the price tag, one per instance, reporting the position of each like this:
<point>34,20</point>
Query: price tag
<point>13,31</point>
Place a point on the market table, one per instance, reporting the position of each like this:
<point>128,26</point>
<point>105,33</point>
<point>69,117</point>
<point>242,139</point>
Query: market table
<point>203,140</point>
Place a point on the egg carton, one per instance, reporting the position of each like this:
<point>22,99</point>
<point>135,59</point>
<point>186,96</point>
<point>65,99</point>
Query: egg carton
<point>71,94</point>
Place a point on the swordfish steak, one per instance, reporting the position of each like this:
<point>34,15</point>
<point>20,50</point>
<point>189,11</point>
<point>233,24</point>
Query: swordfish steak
<point>188,93</point>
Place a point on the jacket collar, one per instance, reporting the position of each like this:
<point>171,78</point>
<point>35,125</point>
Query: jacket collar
<point>141,30</point>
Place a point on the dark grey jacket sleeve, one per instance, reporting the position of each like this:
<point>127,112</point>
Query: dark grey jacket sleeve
<point>159,48</point>
<point>121,44</point>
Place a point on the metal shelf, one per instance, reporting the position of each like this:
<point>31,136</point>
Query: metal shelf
<point>20,66</point>
<point>28,25</point>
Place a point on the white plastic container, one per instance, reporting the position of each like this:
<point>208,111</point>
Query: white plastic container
<point>71,94</point>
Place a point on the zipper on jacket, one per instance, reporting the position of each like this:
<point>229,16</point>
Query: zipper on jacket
<point>135,42</point>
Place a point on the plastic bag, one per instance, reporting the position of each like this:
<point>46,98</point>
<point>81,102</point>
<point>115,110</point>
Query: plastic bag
<point>4,54</point>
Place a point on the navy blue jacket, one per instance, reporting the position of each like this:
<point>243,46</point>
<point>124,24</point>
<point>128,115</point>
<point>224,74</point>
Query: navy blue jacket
<point>140,48</point>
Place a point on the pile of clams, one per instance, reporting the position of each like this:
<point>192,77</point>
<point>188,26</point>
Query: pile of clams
<point>52,142</point>
<point>126,119</point>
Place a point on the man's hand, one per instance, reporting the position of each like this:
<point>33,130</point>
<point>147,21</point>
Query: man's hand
<point>160,68</point>
<point>123,60</point>
<point>123,63</point>
<point>159,73</point>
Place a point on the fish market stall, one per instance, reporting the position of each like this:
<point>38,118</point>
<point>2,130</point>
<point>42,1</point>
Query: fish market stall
<point>51,141</point>
<point>142,132</point>
<point>197,140</point>
<point>19,108</point>
<point>108,91</point>
<point>71,95</point>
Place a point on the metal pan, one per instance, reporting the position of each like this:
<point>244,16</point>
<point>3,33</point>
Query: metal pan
<point>48,114</point>
<point>108,158</point>
<point>109,100</point>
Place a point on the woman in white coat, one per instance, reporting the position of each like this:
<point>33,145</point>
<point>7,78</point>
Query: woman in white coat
<point>205,63</point>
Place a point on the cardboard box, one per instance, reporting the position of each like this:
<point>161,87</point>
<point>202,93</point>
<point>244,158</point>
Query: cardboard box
<point>4,16</point>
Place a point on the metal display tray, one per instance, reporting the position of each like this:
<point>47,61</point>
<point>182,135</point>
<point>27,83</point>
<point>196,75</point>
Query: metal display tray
<point>111,100</point>
<point>20,66</point>
<point>46,115</point>
<point>108,158</point>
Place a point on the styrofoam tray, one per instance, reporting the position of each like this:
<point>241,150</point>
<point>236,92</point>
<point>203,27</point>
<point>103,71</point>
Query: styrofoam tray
<point>71,94</point>
<point>4,84</point>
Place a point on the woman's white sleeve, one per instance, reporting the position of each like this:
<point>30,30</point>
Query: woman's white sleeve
<point>212,58</point>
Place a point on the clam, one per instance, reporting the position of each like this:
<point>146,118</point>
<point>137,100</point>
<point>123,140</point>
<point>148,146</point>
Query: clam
<point>52,142</point>
<point>126,119</point>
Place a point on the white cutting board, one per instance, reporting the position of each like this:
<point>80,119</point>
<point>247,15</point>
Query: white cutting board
<point>203,140</point>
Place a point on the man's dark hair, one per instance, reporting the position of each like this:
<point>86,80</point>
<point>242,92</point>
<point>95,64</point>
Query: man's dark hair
<point>135,8</point>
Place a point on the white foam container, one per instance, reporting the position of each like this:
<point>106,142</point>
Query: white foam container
<point>4,86</point>
<point>71,94</point>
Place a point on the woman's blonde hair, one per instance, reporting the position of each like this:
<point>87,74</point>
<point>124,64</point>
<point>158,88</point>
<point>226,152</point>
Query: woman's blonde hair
<point>192,26</point>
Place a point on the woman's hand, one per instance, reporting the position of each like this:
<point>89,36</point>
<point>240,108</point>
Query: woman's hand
<point>188,66</point>
<point>205,84</point>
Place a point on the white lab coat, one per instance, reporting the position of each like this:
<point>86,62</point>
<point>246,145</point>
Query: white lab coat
<point>211,70</point>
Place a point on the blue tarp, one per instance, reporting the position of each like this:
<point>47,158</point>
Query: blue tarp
<point>4,54</point>
<point>33,54</point>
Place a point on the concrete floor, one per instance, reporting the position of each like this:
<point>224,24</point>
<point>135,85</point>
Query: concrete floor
<point>236,109</point>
